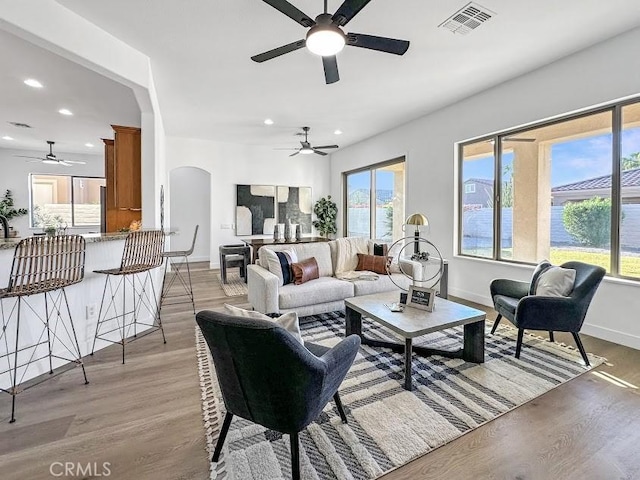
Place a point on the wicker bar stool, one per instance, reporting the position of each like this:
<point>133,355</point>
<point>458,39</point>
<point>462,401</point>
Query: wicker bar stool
<point>41,265</point>
<point>178,259</point>
<point>142,253</point>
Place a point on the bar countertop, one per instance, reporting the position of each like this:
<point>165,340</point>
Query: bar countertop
<point>10,243</point>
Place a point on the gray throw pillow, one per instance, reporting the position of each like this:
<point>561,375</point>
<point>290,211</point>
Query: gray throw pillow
<point>556,282</point>
<point>540,268</point>
<point>288,321</point>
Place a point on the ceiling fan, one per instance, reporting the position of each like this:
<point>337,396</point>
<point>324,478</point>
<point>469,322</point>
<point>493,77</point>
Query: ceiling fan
<point>307,148</point>
<point>51,159</point>
<point>326,38</point>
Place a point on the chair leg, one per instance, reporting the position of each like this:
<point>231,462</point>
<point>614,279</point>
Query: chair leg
<point>295,456</point>
<point>223,435</point>
<point>495,324</point>
<point>551,336</point>
<point>576,337</point>
<point>343,416</point>
<point>519,342</point>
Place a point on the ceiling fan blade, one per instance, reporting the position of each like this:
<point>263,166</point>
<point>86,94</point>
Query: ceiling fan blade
<point>347,11</point>
<point>291,12</point>
<point>75,162</point>
<point>294,154</point>
<point>64,163</point>
<point>330,65</point>
<point>326,146</point>
<point>281,148</point>
<point>319,152</point>
<point>276,52</point>
<point>382,44</point>
<point>28,156</point>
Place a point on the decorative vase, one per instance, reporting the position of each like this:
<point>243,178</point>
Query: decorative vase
<point>298,232</point>
<point>276,232</point>
<point>287,231</point>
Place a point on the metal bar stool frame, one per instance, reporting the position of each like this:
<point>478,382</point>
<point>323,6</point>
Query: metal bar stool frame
<point>176,274</point>
<point>42,266</point>
<point>142,253</point>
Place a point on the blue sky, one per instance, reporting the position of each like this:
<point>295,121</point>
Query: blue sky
<point>571,161</point>
<point>384,180</point>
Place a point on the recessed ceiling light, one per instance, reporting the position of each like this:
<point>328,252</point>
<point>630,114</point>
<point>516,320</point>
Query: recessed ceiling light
<point>338,132</point>
<point>7,137</point>
<point>268,121</point>
<point>32,82</point>
<point>90,145</point>
<point>65,111</point>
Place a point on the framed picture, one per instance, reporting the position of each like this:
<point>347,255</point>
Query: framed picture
<point>422,298</point>
<point>294,205</point>
<point>255,209</point>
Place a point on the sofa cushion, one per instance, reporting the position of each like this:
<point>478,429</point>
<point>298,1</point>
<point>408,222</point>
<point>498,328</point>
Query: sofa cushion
<point>305,271</point>
<point>373,263</point>
<point>346,256</point>
<point>279,263</point>
<point>320,290</point>
<point>319,250</point>
<point>383,284</point>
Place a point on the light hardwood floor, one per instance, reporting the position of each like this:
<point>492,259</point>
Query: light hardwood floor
<point>144,418</point>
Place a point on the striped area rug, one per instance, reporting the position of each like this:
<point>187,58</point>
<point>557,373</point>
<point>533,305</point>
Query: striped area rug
<point>389,426</point>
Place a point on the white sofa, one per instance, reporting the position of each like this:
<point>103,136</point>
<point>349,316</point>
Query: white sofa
<point>324,294</point>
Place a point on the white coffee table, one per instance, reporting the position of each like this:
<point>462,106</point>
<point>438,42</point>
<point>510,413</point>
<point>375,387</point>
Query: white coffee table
<point>412,323</point>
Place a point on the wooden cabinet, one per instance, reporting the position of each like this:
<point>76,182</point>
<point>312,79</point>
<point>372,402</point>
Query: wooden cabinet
<point>123,177</point>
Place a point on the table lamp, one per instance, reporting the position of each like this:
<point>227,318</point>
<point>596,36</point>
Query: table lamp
<point>417,219</point>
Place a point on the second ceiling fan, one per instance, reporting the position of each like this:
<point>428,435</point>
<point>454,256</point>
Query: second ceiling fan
<point>326,38</point>
<point>307,148</point>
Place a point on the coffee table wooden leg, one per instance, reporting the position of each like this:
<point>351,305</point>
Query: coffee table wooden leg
<point>473,350</point>
<point>408,385</point>
<point>353,322</point>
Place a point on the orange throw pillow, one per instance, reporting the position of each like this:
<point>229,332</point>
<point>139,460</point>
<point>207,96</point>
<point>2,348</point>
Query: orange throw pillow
<point>373,263</point>
<point>305,270</point>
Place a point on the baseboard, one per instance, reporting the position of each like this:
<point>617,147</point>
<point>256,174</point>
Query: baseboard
<point>471,296</point>
<point>202,258</point>
<point>615,336</point>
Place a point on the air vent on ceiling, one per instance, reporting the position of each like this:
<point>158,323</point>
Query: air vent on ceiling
<point>468,18</point>
<point>20,125</point>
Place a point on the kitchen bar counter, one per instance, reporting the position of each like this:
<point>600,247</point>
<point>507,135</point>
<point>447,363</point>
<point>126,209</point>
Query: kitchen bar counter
<point>10,243</point>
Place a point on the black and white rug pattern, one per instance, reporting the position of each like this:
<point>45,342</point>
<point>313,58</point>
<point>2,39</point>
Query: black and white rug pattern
<point>389,426</point>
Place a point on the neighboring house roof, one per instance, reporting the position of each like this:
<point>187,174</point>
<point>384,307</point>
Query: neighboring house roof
<point>483,181</point>
<point>630,178</point>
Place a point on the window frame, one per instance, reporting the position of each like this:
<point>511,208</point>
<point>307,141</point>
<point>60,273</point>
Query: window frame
<point>71,178</point>
<point>616,111</point>
<point>372,194</point>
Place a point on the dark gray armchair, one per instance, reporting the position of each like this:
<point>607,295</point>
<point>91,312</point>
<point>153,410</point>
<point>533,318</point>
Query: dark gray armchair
<point>512,300</point>
<point>266,376</point>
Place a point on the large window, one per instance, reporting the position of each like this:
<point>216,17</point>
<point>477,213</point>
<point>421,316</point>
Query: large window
<point>65,201</point>
<point>374,201</point>
<point>563,190</point>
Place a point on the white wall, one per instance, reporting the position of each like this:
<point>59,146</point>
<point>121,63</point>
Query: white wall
<point>231,164</point>
<point>602,73</point>
<point>190,206</point>
<point>15,177</point>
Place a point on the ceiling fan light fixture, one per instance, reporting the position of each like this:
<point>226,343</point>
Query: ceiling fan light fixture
<point>325,40</point>
<point>50,161</point>
<point>306,150</point>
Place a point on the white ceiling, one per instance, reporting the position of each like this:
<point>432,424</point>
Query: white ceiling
<point>96,102</point>
<point>209,88</point>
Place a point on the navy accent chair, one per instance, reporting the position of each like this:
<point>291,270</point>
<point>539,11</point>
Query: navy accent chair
<point>512,300</point>
<point>266,376</point>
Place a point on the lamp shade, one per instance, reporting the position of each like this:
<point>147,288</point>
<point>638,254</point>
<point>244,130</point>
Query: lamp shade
<point>417,219</point>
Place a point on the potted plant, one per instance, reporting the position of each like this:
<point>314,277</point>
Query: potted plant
<point>8,210</point>
<point>326,213</point>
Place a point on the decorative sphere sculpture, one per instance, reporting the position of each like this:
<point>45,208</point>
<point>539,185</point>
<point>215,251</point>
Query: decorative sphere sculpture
<point>417,249</point>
